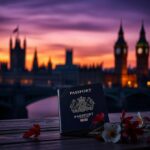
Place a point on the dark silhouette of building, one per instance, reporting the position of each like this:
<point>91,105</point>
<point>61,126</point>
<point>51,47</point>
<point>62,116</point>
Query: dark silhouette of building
<point>70,74</point>
<point>67,74</point>
<point>3,67</point>
<point>49,66</point>
<point>35,66</point>
<point>120,53</point>
<point>17,55</point>
<point>90,74</point>
<point>41,69</point>
<point>69,58</point>
<point>142,55</point>
<point>18,85</point>
<point>122,75</point>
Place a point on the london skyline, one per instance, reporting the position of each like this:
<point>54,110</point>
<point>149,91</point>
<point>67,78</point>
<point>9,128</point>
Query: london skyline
<point>89,27</point>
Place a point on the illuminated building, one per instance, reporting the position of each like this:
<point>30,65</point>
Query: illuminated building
<point>120,54</point>
<point>70,74</point>
<point>142,55</point>
<point>121,76</point>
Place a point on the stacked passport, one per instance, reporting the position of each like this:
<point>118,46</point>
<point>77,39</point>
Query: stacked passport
<point>78,106</point>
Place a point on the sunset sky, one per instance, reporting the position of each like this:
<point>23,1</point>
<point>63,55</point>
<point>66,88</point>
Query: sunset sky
<point>90,27</point>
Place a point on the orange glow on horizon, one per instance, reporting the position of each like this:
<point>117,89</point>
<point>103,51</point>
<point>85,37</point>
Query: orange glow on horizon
<point>58,57</point>
<point>88,48</point>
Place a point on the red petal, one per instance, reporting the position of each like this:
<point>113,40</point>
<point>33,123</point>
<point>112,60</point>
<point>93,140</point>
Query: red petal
<point>98,118</point>
<point>129,118</point>
<point>34,131</point>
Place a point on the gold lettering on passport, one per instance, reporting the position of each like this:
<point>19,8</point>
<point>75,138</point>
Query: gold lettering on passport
<point>80,91</point>
<point>82,105</point>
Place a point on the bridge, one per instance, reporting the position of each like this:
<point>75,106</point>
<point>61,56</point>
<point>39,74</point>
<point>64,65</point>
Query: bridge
<point>14,99</point>
<point>130,99</point>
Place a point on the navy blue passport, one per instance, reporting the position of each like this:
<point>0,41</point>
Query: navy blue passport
<point>78,106</point>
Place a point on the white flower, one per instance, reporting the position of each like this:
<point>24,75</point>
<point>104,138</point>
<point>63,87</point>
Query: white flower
<point>111,133</point>
<point>139,119</point>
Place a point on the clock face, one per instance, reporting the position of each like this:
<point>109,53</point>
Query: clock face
<point>118,51</point>
<point>140,51</point>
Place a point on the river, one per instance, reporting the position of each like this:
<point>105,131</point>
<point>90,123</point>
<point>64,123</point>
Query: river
<point>48,107</point>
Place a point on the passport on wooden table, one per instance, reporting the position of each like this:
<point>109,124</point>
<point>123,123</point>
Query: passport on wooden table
<point>77,107</point>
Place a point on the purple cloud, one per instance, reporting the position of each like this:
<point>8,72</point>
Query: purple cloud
<point>49,14</point>
<point>38,18</point>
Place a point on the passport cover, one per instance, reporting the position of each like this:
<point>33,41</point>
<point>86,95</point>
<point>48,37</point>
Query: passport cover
<point>78,106</point>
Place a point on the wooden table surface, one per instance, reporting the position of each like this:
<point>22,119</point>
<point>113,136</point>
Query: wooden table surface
<point>11,138</point>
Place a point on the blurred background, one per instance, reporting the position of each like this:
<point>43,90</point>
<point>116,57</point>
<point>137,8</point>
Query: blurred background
<point>46,45</point>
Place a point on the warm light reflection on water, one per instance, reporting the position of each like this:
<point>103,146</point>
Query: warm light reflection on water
<point>47,107</point>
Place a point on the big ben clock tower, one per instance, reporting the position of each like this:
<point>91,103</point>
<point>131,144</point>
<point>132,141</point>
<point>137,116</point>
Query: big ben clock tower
<point>120,53</point>
<point>142,54</point>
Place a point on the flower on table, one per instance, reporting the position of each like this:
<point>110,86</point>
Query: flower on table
<point>124,119</point>
<point>99,118</point>
<point>131,131</point>
<point>111,132</point>
<point>139,119</point>
<point>33,132</point>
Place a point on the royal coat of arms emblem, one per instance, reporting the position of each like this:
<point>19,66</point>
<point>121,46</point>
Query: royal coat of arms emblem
<point>82,104</point>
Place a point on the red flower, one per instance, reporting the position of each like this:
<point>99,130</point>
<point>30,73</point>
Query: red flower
<point>99,118</point>
<point>124,119</point>
<point>33,132</point>
<point>131,130</point>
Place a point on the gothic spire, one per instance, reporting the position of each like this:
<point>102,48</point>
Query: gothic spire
<point>49,65</point>
<point>24,43</point>
<point>17,43</point>
<point>121,40</point>
<point>10,43</point>
<point>142,38</point>
<point>35,62</point>
<point>121,33</point>
<point>142,32</point>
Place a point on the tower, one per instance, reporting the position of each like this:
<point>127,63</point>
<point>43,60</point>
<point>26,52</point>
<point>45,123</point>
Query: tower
<point>120,53</point>
<point>24,43</point>
<point>17,56</point>
<point>10,43</point>
<point>35,66</point>
<point>49,65</point>
<point>142,54</point>
<point>69,60</point>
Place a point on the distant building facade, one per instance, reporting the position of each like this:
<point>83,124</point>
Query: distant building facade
<point>70,74</point>
<point>121,75</point>
<point>67,74</point>
<point>17,73</point>
<point>35,65</point>
<point>142,56</point>
<point>17,55</point>
<point>120,54</point>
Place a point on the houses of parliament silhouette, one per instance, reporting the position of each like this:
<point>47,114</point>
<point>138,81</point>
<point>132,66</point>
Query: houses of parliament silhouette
<point>70,74</point>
